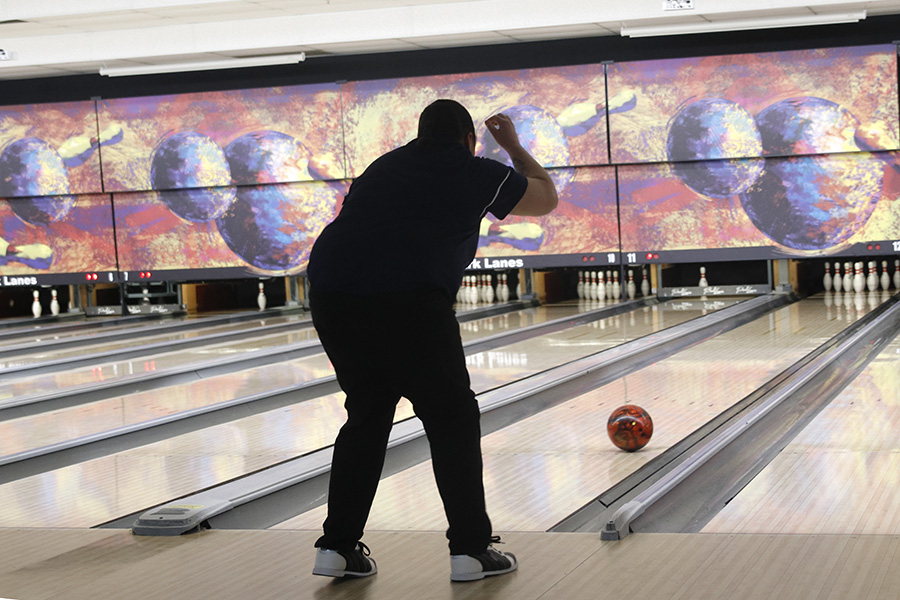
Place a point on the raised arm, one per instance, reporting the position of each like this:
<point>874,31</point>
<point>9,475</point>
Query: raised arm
<point>540,196</point>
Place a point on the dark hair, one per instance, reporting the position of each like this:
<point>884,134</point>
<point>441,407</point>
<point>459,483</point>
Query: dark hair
<point>445,120</point>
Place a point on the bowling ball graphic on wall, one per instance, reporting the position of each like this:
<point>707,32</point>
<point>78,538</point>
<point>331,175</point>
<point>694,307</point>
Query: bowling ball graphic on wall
<point>267,157</point>
<point>32,169</point>
<point>806,125</point>
<point>812,203</point>
<point>272,227</point>
<point>194,168</point>
<point>703,137</point>
<point>540,134</point>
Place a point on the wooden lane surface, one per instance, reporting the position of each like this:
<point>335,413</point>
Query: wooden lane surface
<point>26,433</point>
<point>109,370</point>
<point>263,565</point>
<point>39,356</point>
<point>841,474</point>
<point>102,489</point>
<point>541,469</point>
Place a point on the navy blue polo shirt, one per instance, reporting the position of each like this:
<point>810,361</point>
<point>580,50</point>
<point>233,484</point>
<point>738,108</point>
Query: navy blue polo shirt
<point>411,221</point>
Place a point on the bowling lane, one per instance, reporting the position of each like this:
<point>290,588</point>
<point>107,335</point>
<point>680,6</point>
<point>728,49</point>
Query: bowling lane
<point>119,370</point>
<point>841,474</point>
<point>10,338</point>
<point>543,468</point>
<point>95,491</point>
<point>40,356</point>
<point>26,433</point>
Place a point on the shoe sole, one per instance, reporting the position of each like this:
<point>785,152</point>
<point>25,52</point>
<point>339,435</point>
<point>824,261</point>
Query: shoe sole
<point>481,575</point>
<point>341,573</point>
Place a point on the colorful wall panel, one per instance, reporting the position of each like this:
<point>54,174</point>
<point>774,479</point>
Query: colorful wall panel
<point>266,230</point>
<point>78,240</point>
<point>796,206</point>
<point>243,137</point>
<point>559,112</point>
<point>584,223</point>
<point>748,105</point>
<point>49,150</point>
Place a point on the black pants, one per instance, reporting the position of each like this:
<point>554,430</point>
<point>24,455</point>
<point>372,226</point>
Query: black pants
<point>384,347</point>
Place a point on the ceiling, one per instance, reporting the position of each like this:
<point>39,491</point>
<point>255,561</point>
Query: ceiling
<point>45,38</point>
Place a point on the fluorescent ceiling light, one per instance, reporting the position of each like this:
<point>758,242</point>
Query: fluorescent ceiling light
<point>234,63</point>
<point>742,24</point>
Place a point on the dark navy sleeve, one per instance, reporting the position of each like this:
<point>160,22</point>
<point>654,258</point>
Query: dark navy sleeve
<point>503,185</point>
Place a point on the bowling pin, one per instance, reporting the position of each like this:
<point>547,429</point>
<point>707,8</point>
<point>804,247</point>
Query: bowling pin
<point>519,290</point>
<point>645,284</point>
<point>848,277</point>
<point>838,281</point>
<point>473,289</point>
<point>897,274</point>
<point>859,282</point>
<point>579,289</point>
<point>826,280</point>
<point>885,278</point>
<point>54,304</point>
<point>871,278</point>
<point>600,294</point>
<point>503,288</point>
<point>489,288</point>
<point>261,298</point>
<point>609,287</point>
<point>616,288</point>
<point>36,309</point>
<point>630,287</point>
<point>703,283</point>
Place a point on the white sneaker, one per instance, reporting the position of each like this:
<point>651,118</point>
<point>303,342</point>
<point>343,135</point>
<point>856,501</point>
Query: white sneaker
<point>353,563</point>
<point>472,567</point>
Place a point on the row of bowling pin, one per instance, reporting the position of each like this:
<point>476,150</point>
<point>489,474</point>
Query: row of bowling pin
<point>37,310</point>
<point>592,285</point>
<point>853,278</point>
<point>481,288</point>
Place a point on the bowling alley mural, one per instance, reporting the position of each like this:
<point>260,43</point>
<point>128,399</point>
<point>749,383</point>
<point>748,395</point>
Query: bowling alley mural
<point>242,180</point>
<point>744,156</point>
<point>53,220</point>
<point>560,115</point>
<point>782,154</point>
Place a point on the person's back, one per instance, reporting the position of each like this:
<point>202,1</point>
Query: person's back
<point>411,220</point>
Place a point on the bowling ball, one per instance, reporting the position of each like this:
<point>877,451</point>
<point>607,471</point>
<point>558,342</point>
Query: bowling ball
<point>267,157</point>
<point>32,169</point>
<point>806,125</point>
<point>811,203</point>
<point>192,160</point>
<point>629,427</point>
<point>540,134</point>
<point>711,134</point>
<point>272,227</point>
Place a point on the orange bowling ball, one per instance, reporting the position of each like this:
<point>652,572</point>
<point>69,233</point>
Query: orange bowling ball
<point>629,427</point>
